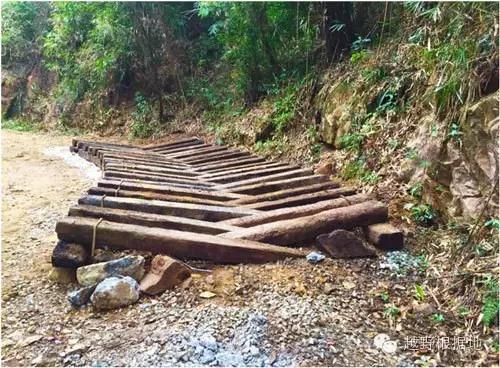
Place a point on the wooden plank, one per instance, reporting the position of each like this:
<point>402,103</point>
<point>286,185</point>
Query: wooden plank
<point>161,183</point>
<point>190,210</point>
<point>294,231</point>
<point>302,199</point>
<point>233,163</point>
<point>179,244</point>
<point>295,212</point>
<point>180,150</point>
<point>186,179</point>
<point>273,186</point>
<point>148,168</point>
<point>170,190</point>
<point>196,152</point>
<point>189,140</point>
<point>251,174</point>
<point>119,161</point>
<point>216,157</point>
<point>267,178</point>
<point>158,158</point>
<point>246,168</point>
<point>154,178</point>
<point>150,219</point>
<point>151,195</point>
<point>286,193</point>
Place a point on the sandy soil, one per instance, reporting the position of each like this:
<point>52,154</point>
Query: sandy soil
<point>288,313</point>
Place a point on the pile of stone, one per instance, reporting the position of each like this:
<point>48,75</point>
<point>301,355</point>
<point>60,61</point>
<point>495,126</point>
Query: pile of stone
<point>118,283</point>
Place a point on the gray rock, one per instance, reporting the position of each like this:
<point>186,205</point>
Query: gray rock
<point>315,257</point>
<point>132,266</point>
<point>81,297</point>
<point>343,244</point>
<point>115,292</point>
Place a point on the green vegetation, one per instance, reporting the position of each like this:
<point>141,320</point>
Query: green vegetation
<point>384,296</point>
<point>490,300</point>
<point>437,318</point>
<point>419,292</point>
<point>18,125</point>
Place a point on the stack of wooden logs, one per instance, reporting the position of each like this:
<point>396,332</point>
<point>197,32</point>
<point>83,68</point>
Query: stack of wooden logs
<point>192,200</point>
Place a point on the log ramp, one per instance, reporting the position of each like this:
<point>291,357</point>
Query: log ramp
<point>193,200</point>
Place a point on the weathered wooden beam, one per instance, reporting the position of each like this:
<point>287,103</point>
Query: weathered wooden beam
<point>190,140</point>
<point>268,178</point>
<point>295,212</point>
<point>150,219</point>
<point>148,168</point>
<point>161,183</point>
<point>169,190</point>
<point>216,157</point>
<point>179,244</point>
<point>251,174</point>
<point>385,236</point>
<point>151,195</point>
<point>246,168</point>
<point>302,199</point>
<point>157,157</point>
<point>272,196</point>
<point>233,163</point>
<point>190,210</point>
<point>272,186</point>
<point>196,152</point>
<point>180,150</point>
<point>157,174</point>
<point>294,231</point>
<point>119,161</point>
<point>154,178</point>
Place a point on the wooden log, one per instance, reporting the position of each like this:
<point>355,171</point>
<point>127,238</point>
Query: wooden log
<point>158,178</point>
<point>268,178</point>
<point>151,195</point>
<point>119,161</point>
<point>158,158</point>
<point>295,212</point>
<point>302,199</point>
<point>294,231</point>
<point>169,190</point>
<point>179,244</point>
<point>196,152</point>
<point>233,163</point>
<point>190,140</point>
<point>216,157</point>
<point>250,167</point>
<point>273,186</point>
<point>251,174</point>
<point>286,193</point>
<point>150,219</point>
<point>190,210</point>
<point>385,236</point>
<point>181,178</point>
<point>161,183</point>
<point>180,150</point>
<point>148,168</point>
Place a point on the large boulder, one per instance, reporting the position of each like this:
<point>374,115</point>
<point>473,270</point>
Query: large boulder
<point>132,266</point>
<point>165,274</point>
<point>115,292</point>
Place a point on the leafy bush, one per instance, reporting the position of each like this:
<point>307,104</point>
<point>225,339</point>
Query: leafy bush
<point>422,214</point>
<point>143,125</point>
<point>490,300</point>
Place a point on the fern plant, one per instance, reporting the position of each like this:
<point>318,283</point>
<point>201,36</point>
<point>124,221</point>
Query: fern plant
<point>490,300</point>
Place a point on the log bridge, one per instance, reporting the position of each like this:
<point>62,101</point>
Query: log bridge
<point>193,200</point>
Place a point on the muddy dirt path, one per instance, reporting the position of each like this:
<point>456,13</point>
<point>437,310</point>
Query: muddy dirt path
<point>287,313</point>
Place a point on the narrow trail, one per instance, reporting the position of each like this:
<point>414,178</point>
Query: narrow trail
<point>286,313</point>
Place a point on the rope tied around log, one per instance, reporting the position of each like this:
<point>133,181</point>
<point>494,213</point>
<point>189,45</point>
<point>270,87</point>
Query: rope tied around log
<point>118,189</point>
<point>94,235</point>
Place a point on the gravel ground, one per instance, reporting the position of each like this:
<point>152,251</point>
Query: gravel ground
<point>289,313</point>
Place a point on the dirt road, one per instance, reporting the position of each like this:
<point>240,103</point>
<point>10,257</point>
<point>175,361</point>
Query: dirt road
<point>288,313</point>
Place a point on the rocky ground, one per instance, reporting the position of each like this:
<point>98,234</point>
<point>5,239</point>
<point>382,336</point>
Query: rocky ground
<point>280,314</point>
